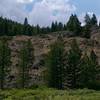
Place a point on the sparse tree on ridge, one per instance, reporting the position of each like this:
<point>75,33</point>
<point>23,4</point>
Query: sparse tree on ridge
<point>26,21</point>
<point>94,20</point>
<point>74,25</point>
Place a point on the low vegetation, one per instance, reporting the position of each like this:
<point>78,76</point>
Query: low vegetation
<point>49,94</point>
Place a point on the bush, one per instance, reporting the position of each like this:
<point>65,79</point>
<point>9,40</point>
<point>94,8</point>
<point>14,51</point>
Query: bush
<point>35,86</point>
<point>94,85</point>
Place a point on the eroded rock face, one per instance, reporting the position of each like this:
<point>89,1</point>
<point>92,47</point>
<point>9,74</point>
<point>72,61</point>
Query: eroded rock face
<point>41,46</point>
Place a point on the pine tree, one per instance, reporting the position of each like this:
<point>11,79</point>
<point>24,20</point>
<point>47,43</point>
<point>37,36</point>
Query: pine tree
<point>87,27</point>
<point>30,53</point>
<point>89,70</point>
<point>55,65</point>
<point>74,25</point>
<point>26,22</point>
<point>38,29</point>
<point>94,20</point>
<point>87,19</point>
<point>26,61</point>
<point>60,26</point>
<point>73,65</point>
<point>25,27</point>
<point>5,57</point>
<point>52,27</point>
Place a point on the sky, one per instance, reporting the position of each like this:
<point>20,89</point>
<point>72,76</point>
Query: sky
<point>43,12</point>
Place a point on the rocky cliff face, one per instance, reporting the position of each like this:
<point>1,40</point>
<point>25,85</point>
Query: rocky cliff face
<point>41,46</point>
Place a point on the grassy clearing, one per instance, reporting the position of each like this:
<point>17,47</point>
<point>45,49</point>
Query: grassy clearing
<point>49,94</point>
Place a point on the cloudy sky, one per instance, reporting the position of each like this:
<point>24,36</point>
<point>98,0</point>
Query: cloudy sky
<point>43,12</point>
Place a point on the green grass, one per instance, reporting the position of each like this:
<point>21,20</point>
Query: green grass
<point>49,94</point>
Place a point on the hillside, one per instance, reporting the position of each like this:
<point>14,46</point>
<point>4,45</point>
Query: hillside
<point>41,44</point>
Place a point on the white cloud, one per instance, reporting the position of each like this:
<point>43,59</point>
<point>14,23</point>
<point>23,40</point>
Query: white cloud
<point>46,11</point>
<point>24,1</point>
<point>43,12</point>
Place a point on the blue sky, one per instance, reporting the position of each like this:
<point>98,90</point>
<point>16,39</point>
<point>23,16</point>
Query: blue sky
<point>87,6</point>
<point>43,12</point>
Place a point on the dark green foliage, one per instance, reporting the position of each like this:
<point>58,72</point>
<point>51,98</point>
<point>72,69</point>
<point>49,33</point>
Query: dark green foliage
<point>57,26</point>
<point>45,30</point>
<point>87,30</point>
<point>87,19</point>
<point>81,70</point>
<point>30,53</point>
<point>73,65</point>
<point>54,26</point>
<point>71,69</point>
<point>25,22</point>
<point>5,57</point>
<point>60,26</point>
<point>55,65</point>
<point>94,20</point>
<point>26,56</point>
<point>89,24</point>
<point>89,70</point>
<point>11,28</point>
<point>38,29</point>
<point>74,25</point>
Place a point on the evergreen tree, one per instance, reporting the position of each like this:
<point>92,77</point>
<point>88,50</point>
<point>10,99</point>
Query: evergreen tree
<point>89,70</point>
<point>94,20</point>
<point>73,65</point>
<point>25,22</point>
<point>55,65</point>
<point>5,57</point>
<point>74,25</point>
<point>87,27</point>
<point>52,27</point>
<point>87,19</point>
<point>89,24</point>
<point>25,27</point>
<point>30,53</point>
<point>26,61</point>
<point>38,29</point>
<point>56,26</point>
<point>60,26</point>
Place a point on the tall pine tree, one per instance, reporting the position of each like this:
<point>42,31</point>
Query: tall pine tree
<point>87,27</point>
<point>5,57</point>
<point>26,57</point>
<point>55,65</point>
<point>89,70</point>
<point>73,65</point>
<point>94,20</point>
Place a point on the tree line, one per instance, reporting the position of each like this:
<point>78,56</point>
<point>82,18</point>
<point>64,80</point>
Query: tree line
<point>11,28</point>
